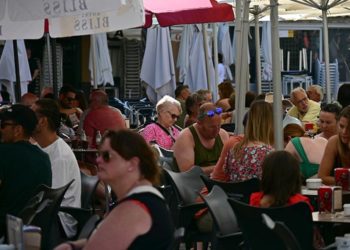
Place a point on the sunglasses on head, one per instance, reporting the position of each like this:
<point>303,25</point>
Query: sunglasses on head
<point>105,155</point>
<point>210,113</point>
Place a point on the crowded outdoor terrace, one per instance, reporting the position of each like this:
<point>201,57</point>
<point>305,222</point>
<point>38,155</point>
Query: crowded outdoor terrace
<point>94,175</point>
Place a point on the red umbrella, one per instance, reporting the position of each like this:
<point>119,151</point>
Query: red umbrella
<point>169,12</point>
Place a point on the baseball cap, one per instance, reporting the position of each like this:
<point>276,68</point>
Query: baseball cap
<point>291,120</point>
<point>20,115</point>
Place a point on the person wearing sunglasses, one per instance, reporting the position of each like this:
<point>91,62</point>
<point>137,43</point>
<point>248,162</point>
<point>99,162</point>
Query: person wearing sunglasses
<point>70,114</point>
<point>164,132</point>
<point>201,143</point>
<point>23,166</point>
<point>141,219</point>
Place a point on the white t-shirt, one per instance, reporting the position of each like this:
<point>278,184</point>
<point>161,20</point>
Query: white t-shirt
<point>65,168</point>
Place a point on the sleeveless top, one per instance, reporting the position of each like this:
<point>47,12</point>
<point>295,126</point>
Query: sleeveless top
<point>203,156</point>
<point>160,235</point>
<point>307,168</point>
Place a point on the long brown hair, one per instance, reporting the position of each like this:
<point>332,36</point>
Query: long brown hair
<point>129,144</point>
<point>259,126</point>
<point>343,148</point>
<point>281,177</point>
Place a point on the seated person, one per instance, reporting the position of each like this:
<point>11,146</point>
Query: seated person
<point>164,132</point>
<point>141,219</point>
<point>280,184</point>
<point>308,151</point>
<point>243,161</point>
<point>304,109</point>
<point>337,151</point>
<point>201,143</point>
<point>23,166</point>
<point>69,113</point>
<point>328,120</point>
<point>193,102</point>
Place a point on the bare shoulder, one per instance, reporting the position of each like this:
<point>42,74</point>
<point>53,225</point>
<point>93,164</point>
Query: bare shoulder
<point>185,136</point>
<point>224,135</point>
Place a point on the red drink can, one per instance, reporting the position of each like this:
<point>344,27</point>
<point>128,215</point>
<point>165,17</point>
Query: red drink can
<point>309,126</point>
<point>342,178</point>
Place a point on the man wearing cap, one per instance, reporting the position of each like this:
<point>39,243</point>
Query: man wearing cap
<point>201,143</point>
<point>304,109</point>
<point>23,166</point>
<point>64,164</point>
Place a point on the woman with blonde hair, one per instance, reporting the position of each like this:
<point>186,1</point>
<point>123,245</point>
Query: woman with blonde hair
<point>245,159</point>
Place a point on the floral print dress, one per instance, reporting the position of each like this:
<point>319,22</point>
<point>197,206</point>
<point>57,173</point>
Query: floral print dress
<point>248,165</point>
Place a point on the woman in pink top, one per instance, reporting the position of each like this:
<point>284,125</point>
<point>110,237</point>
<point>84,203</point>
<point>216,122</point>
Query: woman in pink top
<point>164,132</point>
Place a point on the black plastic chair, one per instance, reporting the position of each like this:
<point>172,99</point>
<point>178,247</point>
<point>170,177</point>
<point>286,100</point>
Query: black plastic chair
<point>42,211</point>
<point>186,186</point>
<point>89,184</point>
<point>283,232</point>
<point>229,127</point>
<point>237,190</point>
<point>257,235</point>
<point>166,152</point>
<point>82,216</point>
<point>227,233</point>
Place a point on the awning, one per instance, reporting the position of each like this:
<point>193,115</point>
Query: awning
<point>169,12</point>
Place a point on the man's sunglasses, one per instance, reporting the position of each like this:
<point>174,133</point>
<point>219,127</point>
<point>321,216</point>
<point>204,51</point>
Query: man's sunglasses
<point>105,155</point>
<point>4,124</point>
<point>210,113</point>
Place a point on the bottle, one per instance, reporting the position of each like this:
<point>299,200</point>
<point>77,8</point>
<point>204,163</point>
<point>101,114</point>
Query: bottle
<point>98,137</point>
<point>83,136</point>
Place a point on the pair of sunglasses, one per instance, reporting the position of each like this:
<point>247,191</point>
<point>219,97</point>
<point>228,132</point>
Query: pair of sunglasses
<point>173,116</point>
<point>210,113</point>
<point>105,155</point>
<point>4,124</point>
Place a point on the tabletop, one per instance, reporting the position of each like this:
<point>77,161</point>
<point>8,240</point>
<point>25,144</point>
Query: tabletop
<point>337,217</point>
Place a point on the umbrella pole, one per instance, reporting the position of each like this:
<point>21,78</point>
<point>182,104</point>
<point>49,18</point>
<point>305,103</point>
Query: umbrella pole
<point>49,57</point>
<point>54,69</point>
<point>216,60</point>
<point>257,47</point>
<point>206,53</point>
<point>94,68</point>
<point>326,54</point>
<point>276,77</point>
<point>243,67</point>
<point>18,77</point>
<point>240,97</point>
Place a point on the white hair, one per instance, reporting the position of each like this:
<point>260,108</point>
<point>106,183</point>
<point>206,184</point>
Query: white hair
<point>167,101</point>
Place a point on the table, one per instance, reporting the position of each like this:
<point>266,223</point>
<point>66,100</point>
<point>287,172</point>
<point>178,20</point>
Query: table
<point>80,153</point>
<point>337,217</point>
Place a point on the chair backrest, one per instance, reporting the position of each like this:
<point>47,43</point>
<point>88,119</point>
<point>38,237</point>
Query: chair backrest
<point>237,190</point>
<point>42,210</point>
<point>296,217</point>
<point>221,211</point>
<point>88,187</point>
<point>187,184</point>
<point>229,127</point>
<point>282,231</point>
<point>89,227</point>
<point>166,152</point>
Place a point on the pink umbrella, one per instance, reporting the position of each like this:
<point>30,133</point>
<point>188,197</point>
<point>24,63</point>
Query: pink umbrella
<point>169,12</point>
